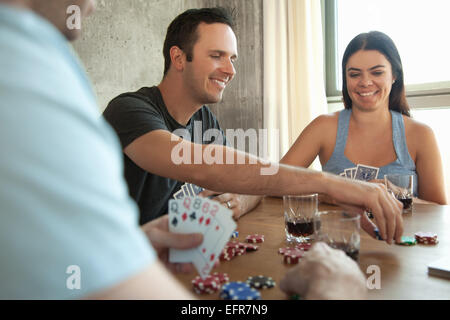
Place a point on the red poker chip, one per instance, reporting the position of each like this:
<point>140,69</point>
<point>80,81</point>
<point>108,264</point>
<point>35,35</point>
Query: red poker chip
<point>210,283</point>
<point>283,250</point>
<point>222,277</point>
<point>225,258</point>
<point>303,246</point>
<point>292,256</point>
<point>227,254</point>
<point>250,247</point>
<point>426,237</point>
<point>240,251</point>
<point>255,238</point>
<point>233,244</point>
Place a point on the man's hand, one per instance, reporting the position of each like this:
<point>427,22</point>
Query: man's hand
<point>325,273</point>
<point>161,239</point>
<point>359,196</point>
<point>240,204</point>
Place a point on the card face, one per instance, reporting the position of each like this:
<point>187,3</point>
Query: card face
<point>196,214</point>
<point>182,220</point>
<point>215,238</point>
<point>366,173</point>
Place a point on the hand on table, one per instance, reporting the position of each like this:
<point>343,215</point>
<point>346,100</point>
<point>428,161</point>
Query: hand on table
<point>359,196</point>
<point>162,239</point>
<point>325,273</point>
<point>240,204</point>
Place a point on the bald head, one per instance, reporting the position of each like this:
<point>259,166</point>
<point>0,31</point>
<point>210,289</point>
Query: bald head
<point>65,15</point>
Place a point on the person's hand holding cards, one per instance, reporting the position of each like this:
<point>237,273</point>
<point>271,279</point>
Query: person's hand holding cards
<point>162,240</point>
<point>200,215</point>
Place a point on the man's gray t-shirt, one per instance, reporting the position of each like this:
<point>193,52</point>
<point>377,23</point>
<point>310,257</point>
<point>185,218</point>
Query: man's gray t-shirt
<point>134,114</point>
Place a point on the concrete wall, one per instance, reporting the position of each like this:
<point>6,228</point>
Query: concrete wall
<point>121,48</point>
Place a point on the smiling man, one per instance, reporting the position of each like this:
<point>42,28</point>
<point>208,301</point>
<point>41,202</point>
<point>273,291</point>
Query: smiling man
<point>199,51</point>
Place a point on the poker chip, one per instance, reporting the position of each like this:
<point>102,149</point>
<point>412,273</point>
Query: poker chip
<point>227,254</point>
<point>239,291</point>
<point>408,241</point>
<point>283,250</point>
<point>240,251</point>
<point>292,256</point>
<point>260,282</point>
<point>222,277</point>
<point>233,244</point>
<point>209,285</point>
<point>303,246</point>
<point>426,237</point>
<point>235,234</point>
<point>248,246</point>
<point>255,238</point>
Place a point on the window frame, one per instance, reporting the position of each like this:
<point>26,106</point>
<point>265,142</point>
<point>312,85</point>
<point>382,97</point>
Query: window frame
<point>419,96</point>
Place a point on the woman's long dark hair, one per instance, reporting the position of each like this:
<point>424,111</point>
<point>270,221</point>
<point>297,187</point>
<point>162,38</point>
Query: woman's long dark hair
<point>380,42</point>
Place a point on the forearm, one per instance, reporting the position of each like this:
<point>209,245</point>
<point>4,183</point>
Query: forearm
<point>256,178</point>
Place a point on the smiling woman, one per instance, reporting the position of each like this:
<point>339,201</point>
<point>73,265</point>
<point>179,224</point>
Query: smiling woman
<point>375,129</point>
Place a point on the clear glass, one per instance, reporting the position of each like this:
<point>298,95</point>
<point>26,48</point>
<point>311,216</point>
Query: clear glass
<point>300,213</point>
<point>415,26</point>
<point>340,230</point>
<point>401,186</point>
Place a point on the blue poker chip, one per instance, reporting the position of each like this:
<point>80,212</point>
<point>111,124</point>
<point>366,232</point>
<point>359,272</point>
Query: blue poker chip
<point>239,291</point>
<point>235,234</point>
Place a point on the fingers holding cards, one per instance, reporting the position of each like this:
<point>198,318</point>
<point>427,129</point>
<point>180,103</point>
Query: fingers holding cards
<point>196,214</point>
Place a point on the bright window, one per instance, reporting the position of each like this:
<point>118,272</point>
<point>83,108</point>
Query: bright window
<point>417,27</point>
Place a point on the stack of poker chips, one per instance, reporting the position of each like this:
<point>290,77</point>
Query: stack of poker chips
<point>260,282</point>
<point>292,256</point>
<point>234,248</point>
<point>426,238</point>
<point>210,284</point>
<point>255,238</point>
<point>239,291</point>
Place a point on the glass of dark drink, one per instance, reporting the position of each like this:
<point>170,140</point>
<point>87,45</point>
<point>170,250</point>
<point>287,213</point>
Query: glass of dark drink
<point>401,186</point>
<point>300,214</point>
<point>340,230</point>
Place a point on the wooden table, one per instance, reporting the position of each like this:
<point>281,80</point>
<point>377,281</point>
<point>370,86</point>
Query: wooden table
<point>403,269</point>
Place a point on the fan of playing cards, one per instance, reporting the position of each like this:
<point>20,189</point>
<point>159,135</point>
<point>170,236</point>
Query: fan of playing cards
<point>187,189</point>
<point>200,215</point>
<point>361,172</point>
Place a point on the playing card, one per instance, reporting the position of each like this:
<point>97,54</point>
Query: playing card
<point>178,195</point>
<point>196,214</point>
<point>366,173</point>
<point>353,172</point>
<point>196,189</point>
<point>183,218</point>
<point>348,173</point>
<point>187,191</point>
<point>342,174</point>
<point>215,238</point>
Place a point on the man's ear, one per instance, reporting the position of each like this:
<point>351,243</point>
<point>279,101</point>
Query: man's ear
<point>177,58</point>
